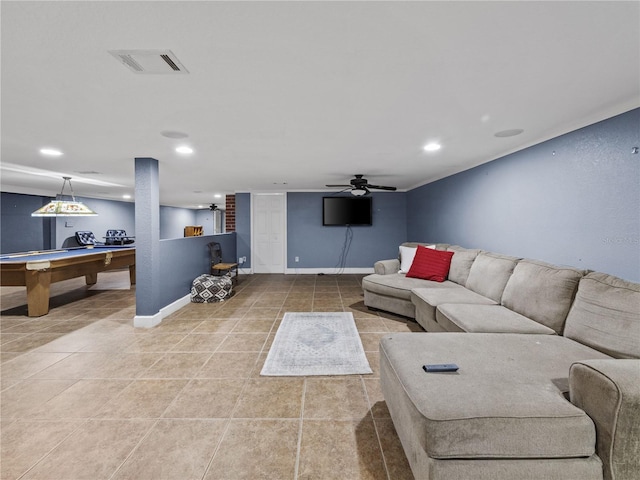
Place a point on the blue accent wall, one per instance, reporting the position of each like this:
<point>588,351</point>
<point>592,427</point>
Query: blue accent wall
<point>19,231</point>
<point>573,200</point>
<point>111,215</point>
<point>174,219</point>
<point>318,246</point>
<point>184,259</point>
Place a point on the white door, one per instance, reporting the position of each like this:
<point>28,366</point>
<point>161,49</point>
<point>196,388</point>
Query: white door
<point>268,233</point>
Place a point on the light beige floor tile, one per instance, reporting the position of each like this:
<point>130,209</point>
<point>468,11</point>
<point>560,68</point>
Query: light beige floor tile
<point>177,365</point>
<point>243,342</point>
<point>256,449</point>
<point>339,449</point>
<point>154,342</point>
<point>174,450</point>
<point>81,400</point>
<point>97,375</point>
<point>93,452</point>
<point>371,341</point>
<point>24,397</point>
<point>142,399</point>
<point>394,457</point>
<point>374,362</point>
<point>200,342</point>
<point>271,398</point>
<point>371,324</point>
<point>228,365</point>
<point>251,325</point>
<point>217,325</point>
<point>377,403</point>
<point>206,398</point>
<point>29,342</point>
<point>25,442</point>
<point>28,364</point>
<point>335,398</point>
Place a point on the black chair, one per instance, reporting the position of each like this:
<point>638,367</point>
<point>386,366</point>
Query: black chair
<point>218,267</point>
<point>118,237</point>
<point>85,238</point>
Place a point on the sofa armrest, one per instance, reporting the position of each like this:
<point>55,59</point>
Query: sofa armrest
<point>386,267</point>
<point>609,392</point>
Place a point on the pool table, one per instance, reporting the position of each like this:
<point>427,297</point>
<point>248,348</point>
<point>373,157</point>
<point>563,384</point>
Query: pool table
<point>38,270</point>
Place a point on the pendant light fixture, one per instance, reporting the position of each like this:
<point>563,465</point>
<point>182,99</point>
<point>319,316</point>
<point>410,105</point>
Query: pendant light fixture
<point>64,208</point>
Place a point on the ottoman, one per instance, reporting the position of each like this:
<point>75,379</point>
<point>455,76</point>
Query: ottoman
<point>210,288</point>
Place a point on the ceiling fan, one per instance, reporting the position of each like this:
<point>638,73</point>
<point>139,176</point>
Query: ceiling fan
<point>360,186</point>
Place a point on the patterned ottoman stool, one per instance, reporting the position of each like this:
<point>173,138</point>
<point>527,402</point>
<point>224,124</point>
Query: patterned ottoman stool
<point>210,288</point>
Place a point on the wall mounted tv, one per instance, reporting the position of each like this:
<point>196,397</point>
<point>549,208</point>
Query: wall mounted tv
<point>338,211</point>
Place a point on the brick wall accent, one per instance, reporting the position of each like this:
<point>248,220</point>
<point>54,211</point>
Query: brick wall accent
<point>230,214</point>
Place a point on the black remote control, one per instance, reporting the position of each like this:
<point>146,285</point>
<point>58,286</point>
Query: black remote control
<point>440,367</point>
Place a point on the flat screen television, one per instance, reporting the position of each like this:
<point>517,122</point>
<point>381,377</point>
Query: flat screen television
<point>337,211</point>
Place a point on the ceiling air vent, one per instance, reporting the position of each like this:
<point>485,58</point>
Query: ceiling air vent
<point>151,62</point>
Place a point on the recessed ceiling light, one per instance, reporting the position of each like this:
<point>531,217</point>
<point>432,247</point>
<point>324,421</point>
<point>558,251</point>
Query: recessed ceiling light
<point>126,196</point>
<point>173,134</point>
<point>200,206</point>
<point>184,149</point>
<point>217,195</point>
<point>52,152</point>
<point>432,147</point>
<point>509,133</point>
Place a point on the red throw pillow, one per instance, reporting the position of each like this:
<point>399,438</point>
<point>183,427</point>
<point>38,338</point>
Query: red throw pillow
<point>430,264</point>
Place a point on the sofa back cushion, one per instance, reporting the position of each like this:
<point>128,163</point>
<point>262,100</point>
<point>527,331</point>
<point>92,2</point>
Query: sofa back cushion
<point>461,263</point>
<point>439,246</point>
<point>606,315</point>
<point>489,274</point>
<point>542,292</point>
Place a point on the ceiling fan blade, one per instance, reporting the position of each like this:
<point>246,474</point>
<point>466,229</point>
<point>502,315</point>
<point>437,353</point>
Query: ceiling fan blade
<point>382,187</point>
<point>337,186</point>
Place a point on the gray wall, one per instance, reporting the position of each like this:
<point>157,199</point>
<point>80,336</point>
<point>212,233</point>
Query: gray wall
<point>173,220</point>
<point>318,246</point>
<point>19,231</point>
<point>111,215</point>
<point>186,258</point>
<point>573,200</point>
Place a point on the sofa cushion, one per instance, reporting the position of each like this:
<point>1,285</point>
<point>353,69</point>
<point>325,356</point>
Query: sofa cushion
<point>486,319</point>
<point>455,294</point>
<point>505,401</point>
<point>542,292</point>
<point>426,300</point>
<point>430,264</point>
<point>461,263</point>
<point>397,284</point>
<point>606,315</point>
<point>489,274</point>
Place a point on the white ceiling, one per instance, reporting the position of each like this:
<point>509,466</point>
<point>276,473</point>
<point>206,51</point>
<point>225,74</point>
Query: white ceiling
<point>306,93</point>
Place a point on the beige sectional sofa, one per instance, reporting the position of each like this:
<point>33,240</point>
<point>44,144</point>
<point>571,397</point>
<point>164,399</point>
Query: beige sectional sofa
<point>548,385</point>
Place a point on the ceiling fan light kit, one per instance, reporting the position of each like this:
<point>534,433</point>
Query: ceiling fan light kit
<point>360,186</point>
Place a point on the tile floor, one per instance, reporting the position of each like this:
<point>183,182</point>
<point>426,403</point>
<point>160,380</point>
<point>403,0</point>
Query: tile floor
<point>87,396</point>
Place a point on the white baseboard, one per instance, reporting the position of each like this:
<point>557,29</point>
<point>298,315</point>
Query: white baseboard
<point>150,321</point>
<point>327,271</point>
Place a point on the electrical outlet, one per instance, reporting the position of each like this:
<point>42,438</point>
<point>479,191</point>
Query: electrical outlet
<point>297,259</point>
<point>240,260</point>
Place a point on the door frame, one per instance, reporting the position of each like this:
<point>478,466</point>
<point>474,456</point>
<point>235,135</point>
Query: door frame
<point>283,232</point>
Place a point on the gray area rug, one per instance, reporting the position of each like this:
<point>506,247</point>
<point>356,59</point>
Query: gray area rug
<point>316,343</point>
